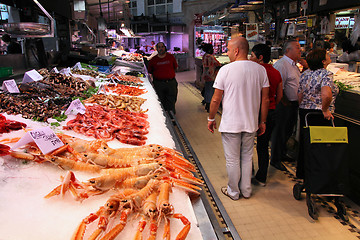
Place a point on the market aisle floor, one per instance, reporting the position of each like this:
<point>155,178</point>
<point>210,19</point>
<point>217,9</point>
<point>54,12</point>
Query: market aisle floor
<point>272,212</point>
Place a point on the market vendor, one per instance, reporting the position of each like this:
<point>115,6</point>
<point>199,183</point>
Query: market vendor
<point>162,67</point>
<point>350,52</point>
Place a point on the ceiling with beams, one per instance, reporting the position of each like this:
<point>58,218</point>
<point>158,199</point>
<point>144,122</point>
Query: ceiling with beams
<point>112,10</point>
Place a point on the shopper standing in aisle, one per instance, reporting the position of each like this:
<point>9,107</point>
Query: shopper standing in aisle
<point>261,53</point>
<point>243,88</point>
<point>210,69</point>
<point>317,93</point>
<point>162,67</point>
<point>287,109</point>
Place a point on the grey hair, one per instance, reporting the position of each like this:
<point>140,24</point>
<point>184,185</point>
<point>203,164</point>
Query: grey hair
<point>287,45</point>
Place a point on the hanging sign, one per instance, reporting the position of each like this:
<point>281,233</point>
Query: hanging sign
<point>10,86</point>
<point>32,76</point>
<point>44,138</point>
<point>293,7</point>
<point>75,107</point>
<point>304,4</point>
<point>252,32</point>
<point>344,22</point>
<point>310,22</point>
<point>291,29</point>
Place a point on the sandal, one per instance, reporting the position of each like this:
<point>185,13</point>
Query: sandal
<point>225,192</point>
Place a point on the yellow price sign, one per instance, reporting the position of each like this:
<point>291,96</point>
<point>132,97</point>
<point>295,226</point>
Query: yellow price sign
<point>309,22</point>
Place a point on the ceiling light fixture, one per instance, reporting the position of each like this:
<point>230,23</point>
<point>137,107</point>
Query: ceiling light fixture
<point>242,3</point>
<point>223,16</point>
<point>254,2</point>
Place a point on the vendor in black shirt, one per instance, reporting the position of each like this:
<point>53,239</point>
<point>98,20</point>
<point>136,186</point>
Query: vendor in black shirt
<point>13,47</point>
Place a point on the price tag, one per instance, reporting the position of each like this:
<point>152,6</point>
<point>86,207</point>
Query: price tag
<point>66,71</point>
<point>76,106</point>
<point>44,138</point>
<point>101,89</point>
<point>112,80</point>
<point>10,86</point>
<point>78,66</point>
<point>31,76</point>
<point>54,70</point>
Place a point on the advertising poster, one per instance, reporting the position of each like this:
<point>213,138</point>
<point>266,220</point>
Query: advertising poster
<point>252,32</point>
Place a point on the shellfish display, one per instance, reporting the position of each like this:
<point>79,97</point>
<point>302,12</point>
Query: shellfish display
<point>100,187</point>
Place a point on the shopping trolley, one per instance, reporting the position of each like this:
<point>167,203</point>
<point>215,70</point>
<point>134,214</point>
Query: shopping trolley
<point>325,166</point>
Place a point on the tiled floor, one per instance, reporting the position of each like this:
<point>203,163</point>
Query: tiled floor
<point>272,212</point>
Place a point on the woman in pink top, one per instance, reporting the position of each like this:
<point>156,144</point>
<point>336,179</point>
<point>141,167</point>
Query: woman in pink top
<point>210,69</point>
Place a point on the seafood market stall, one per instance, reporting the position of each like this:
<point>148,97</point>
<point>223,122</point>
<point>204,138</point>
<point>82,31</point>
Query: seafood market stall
<point>82,181</point>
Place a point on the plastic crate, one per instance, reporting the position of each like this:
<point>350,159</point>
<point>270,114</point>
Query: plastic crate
<point>103,69</point>
<point>6,71</point>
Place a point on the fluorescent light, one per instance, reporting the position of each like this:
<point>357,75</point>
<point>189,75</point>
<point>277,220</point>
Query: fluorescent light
<point>255,2</point>
<point>345,12</point>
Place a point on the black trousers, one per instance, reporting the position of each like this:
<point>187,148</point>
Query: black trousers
<point>167,92</point>
<point>262,147</point>
<point>286,117</point>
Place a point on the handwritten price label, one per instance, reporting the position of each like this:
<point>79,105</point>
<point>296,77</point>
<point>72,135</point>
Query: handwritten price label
<point>10,86</point>
<point>75,107</point>
<point>44,138</point>
<point>66,71</point>
<point>32,76</point>
<point>78,66</point>
<point>55,70</point>
<point>101,89</point>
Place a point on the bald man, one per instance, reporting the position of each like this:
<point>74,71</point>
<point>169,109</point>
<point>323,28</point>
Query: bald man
<point>243,88</point>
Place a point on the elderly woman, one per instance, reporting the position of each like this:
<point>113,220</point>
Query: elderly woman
<point>317,93</point>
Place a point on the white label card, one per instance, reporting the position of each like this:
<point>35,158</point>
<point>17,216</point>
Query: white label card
<point>31,76</point>
<point>44,138</point>
<point>55,70</point>
<point>66,71</point>
<point>75,107</point>
<point>101,89</point>
<point>10,86</point>
<point>112,80</point>
<point>78,66</point>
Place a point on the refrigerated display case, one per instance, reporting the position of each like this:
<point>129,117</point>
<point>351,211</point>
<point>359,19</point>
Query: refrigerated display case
<point>30,182</point>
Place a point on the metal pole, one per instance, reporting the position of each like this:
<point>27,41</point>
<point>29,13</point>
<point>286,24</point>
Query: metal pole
<point>52,30</point>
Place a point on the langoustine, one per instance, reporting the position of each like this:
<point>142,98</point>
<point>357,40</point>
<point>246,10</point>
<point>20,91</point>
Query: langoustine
<point>152,173</point>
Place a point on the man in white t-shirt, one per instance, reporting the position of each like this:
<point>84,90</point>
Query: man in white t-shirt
<point>243,88</point>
